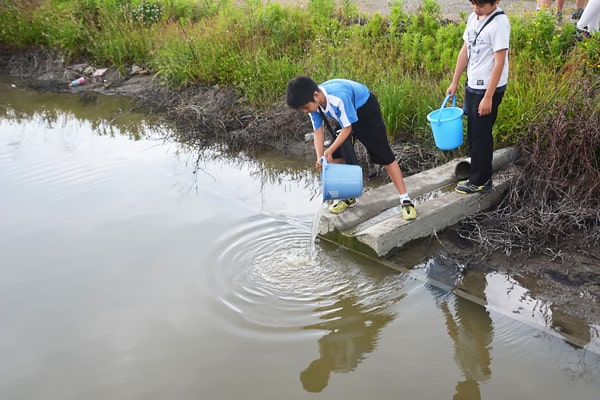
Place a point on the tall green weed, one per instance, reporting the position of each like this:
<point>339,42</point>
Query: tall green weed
<point>256,46</point>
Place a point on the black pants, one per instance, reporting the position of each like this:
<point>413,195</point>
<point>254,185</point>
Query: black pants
<point>346,151</point>
<point>370,130</point>
<point>480,137</point>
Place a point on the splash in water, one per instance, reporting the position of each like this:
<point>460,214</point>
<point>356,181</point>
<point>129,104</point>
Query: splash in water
<point>315,230</point>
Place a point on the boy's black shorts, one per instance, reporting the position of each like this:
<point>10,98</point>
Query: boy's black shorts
<point>370,130</point>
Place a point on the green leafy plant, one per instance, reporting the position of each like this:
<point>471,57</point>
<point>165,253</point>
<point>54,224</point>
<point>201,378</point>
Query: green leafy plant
<point>256,47</point>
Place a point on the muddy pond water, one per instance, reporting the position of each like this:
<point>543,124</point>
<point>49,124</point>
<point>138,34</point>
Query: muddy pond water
<point>132,267</point>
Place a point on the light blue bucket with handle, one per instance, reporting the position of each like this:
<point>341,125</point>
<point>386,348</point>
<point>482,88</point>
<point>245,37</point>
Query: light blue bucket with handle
<point>447,126</point>
<point>341,181</point>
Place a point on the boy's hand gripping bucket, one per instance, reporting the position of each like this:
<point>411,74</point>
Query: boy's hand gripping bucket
<point>447,127</point>
<point>341,181</point>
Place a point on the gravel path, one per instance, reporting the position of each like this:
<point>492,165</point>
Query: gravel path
<point>450,8</point>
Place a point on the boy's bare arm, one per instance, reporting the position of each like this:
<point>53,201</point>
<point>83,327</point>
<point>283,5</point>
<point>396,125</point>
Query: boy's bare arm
<point>485,106</point>
<point>341,138</point>
<point>319,140</point>
<point>461,66</point>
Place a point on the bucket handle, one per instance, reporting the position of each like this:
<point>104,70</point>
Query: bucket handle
<point>444,104</point>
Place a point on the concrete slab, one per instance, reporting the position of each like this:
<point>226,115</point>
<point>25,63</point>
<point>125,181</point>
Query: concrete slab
<point>434,215</point>
<point>373,202</point>
<point>375,226</point>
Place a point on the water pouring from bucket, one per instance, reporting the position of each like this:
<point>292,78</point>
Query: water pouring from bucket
<point>341,181</point>
<point>447,125</point>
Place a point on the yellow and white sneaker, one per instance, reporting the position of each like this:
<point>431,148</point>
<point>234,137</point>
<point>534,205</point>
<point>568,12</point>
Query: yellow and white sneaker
<point>341,205</point>
<point>408,210</point>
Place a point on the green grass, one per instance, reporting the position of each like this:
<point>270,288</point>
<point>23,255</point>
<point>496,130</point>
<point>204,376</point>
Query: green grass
<point>407,60</point>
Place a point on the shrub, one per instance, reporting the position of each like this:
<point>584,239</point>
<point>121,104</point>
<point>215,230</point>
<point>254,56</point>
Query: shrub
<point>258,47</point>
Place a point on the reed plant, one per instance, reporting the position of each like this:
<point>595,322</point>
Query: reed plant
<point>256,47</point>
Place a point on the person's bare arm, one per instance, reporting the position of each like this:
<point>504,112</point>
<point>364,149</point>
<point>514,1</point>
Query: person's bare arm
<point>319,143</point>
<point>461,66</point>
<point>341,138</point>
<point>485,106</point>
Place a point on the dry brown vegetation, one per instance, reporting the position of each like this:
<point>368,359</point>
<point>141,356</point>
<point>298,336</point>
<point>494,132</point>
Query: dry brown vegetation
<point>554,198</point>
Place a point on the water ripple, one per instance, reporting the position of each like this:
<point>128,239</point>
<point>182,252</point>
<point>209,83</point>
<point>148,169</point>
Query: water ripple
<point>265,281</point>
<point>69,179</point>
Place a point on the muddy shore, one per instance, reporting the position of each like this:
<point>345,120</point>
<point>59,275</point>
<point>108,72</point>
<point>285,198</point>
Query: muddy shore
<point>570,282</point>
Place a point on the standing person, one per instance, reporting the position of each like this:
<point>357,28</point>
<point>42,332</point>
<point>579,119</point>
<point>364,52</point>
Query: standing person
<point>560,5</point>
<point>358,113</point>
<point>590,19</point>
<point>484,55</point>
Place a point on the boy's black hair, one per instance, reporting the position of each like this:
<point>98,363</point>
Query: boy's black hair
<point>482,2</point>
<point>300,91</point>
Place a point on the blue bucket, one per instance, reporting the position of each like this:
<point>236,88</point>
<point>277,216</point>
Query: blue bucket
<point>341,181</point>
<point>447,126</point>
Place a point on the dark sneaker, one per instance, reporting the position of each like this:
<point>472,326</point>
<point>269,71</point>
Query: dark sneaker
<point>577,14</point>
<point>408,211</point>
<point>581,34</point>
<point>341,205</point>
<point>469,188</point>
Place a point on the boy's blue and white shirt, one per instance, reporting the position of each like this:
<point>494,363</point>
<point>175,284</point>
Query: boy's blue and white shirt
<point>344,97</point>
<point>494,37</point>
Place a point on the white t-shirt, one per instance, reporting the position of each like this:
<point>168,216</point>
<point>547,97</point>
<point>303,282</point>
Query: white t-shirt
<point>494,37</point>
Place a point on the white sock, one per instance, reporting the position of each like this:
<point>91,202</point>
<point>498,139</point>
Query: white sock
<point>404,197</point>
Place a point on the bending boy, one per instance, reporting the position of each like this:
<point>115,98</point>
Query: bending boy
<point>357,111</point>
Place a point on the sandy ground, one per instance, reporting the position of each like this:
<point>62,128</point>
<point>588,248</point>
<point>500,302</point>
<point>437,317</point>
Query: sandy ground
<point>451,9</point>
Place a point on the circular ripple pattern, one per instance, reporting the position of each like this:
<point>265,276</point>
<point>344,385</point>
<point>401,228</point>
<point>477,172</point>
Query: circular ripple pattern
<point>266,282</point>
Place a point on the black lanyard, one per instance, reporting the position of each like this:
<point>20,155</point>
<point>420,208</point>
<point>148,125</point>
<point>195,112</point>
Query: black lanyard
<point>487,21</point>
<point>347,148</point>
<point>326,122</point>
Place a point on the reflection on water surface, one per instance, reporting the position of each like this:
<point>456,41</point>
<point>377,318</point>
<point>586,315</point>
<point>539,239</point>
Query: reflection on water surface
<point>130,271</point>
